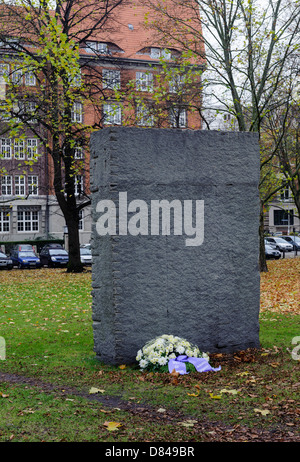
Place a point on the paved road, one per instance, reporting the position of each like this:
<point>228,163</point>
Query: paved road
<point>291,254</point>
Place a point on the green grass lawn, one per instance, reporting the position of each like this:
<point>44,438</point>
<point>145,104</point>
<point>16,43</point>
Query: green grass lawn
<point>45,319</point>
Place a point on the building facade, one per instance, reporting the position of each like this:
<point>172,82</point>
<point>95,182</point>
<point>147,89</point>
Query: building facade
<point>127,65</point>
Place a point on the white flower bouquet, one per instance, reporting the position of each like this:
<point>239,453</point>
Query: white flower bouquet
<point>156,354</point>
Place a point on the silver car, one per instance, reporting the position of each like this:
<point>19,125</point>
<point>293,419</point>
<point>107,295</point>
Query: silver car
<point>280,243</point>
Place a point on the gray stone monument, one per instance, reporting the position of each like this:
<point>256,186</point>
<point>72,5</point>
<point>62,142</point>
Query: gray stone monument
<point>175,239</point>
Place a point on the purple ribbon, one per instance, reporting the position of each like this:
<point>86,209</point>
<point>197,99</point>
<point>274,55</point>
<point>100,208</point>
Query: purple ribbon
<point>200,364</point>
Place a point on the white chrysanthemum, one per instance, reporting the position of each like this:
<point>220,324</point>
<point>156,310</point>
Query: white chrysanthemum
<point>196,353</point>
<point>139,355</point>
<point>162,361</point>
<point>143,363</point>
<point>205,356</point>
<point>180,349</point>
<point>158,351</point>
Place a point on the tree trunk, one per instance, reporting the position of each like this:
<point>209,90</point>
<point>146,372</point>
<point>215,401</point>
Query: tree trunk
<point>74,265</point>
<point>263,267</point>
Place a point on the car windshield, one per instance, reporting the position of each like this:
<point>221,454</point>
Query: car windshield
<point>280,240</point>
<point>85,252</point>
<point>58,252</point>
<point>27,254</point>
<point>2,255</point>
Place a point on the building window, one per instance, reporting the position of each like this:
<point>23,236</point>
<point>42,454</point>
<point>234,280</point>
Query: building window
<point>20,185</point>
<point>112,114</point>
<point>28,220</point>
<point>144,117</point>
<point>98,47</point>
<point>6,185</point>
<point>78,153</point>
<point>33,185</point>
<point>30,79</point>
<point>81,223</point>
<point>178,118</point>
<point>17,76</point>
<point>78,185</point>
<point>19,150</point>
<point>75,81</point>
<point>176,83</point>
<point>144,81</point>
<point>32,148</point>
<point>283,217</point>
<point>285,194</point>
<point>26,109</point>
<point>4,221</point>
<point>76,113</point>
<point>157,53</point>
<point>5,148</point>
<point>4,72</point>
<point>111,79</point>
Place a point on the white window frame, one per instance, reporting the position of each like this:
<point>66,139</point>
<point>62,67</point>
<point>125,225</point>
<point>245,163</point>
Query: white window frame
<point>25,108</point>
<point>111,79</point>
<point>93,46</point>
<point>77,112</point>
<point>112,114</point>
<point>33,185</point>
<point>27,221</point>
<point>32,148</point>
<point>176,83</point>
<point>17,76</point>
<point>75,81</point>
<point>164,53</point>
<point>182,118</point>
<point>4,221</point>
<point>81,220</point>
<point>78,152</point>
<point>144,117</point>
<point>30,79</point>
<point>4,72</point>
<point>19,149</point>
<point>78,185</point>
<point>144,81</point>
<point>5,148</point>
<point>20,185</point>
<point>6,185</point>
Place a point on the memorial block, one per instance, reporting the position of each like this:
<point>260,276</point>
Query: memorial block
<point>175,239</point>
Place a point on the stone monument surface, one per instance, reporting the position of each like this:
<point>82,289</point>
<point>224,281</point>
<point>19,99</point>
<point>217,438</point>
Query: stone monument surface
<point>175,239</point>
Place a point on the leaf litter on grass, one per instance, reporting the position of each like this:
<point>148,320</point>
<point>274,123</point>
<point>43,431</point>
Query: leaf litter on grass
<point>253,392</point>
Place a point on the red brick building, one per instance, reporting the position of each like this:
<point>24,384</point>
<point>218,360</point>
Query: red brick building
<point>137,81</point>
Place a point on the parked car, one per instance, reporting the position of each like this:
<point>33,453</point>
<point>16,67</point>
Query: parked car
<point>54,256</point>
<point>271,252</point>
<point>86,246</point>
<point>294,240</point>
<point>5,261</point>
<point>52,246</point>
<point>271,244</point>
<point>85,256</point>
<point>25,259</point>
<point>280,243</point>
<point>20,247</point>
